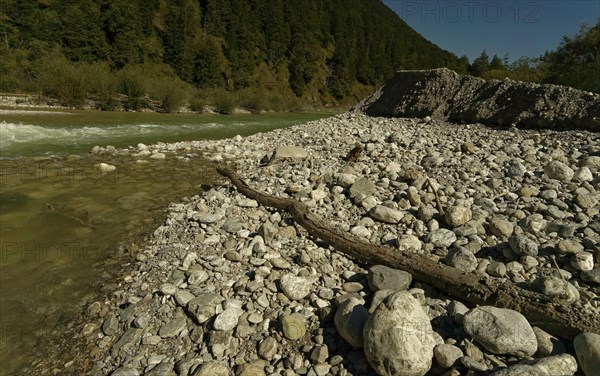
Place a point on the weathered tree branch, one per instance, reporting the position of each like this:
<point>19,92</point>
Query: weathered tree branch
<point>539,309</point>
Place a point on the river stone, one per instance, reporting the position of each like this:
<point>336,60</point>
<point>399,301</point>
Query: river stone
<point>447,355</point>
<point>586,200</point>
<point>582,261</point>
<point>591,276</point>
<point>232,226</point>
<point>561,364</point>
<point>381,277</point>
<point>212,368</point>
<point>409,243</point>
<point>501,227</point>
<point>587,348</point>
<point>197,277</point>
<point>548,344</point>
<point>568,246</point>
<point>549,285</point>
<point>268,231</point>
<point>361,189</point>
<point>345,180</point>
<point>559,171</point>
<point>168,289</point>
<point>385,214</point>
<point>110,325</point>
<point>267,348</point>
<point>182,297</point>
<point>172,328</point>
<point>350,319</point>
<point>462,259</point>
<point>293,326</point>
<point>125,371</point>
<point>105,167</point>
<point>127,340</point>
<point>398,338</point>
<point>441,237</point>
<point>360,231</point>
<point>250,369</point>
<point>496,269</point>
<point>534,223</point>
<point>228,319</point>
<point>583,174</point>
<point>294,287</point>
<point>522,245</point>
<point>592,162</point>
<point>501,331</point>
<point>520,370</point>
<point>204,306</point>
<point>288,152</point>
<point>516,169</point>
<point>206,218</point>
<point>458,215</point>
<point>164,368</point>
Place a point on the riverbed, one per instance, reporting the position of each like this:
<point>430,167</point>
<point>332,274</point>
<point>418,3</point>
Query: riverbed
<point>63,221</point>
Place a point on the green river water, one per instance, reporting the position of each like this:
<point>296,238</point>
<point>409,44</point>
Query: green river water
<point>62,222</point>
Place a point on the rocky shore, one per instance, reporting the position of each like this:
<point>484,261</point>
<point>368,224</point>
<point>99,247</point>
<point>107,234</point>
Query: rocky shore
<point>226,286</point>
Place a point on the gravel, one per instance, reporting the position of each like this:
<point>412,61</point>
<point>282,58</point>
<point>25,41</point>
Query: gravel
<point>226,286</point>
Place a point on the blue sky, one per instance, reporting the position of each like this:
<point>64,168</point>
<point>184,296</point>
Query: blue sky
<point>519,28</point>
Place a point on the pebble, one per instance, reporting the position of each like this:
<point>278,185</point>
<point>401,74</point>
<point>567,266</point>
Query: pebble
<point>582,261</point>
<point>350,318</point>
<point>385,214</point>
<point>559,171</point>
<point>458,215</point>
<point>294,287</point>
<point>381,277</point>
<point>293,326</point>
<point>447,355</point>
<point>501,227</point>
<point>501,331</point>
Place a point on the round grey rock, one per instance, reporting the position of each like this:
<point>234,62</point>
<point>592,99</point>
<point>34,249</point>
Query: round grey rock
<point>587,348</point>
<point>447,355</point>
<point>381,277</point>
<point>462,259</point>
<point>501,227</point>
<point>522,245</point>
<point>293,326</point>
<point>212,368</point>
<point>295,287</point>
<point>350,319</point>
<point>559,171</point>
<point>398,337</point>
<point>501,331</point>
<point>441,237</point>
<point>458,215</point>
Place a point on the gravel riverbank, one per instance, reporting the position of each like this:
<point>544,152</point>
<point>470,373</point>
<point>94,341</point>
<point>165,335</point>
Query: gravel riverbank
<point>226,286</point>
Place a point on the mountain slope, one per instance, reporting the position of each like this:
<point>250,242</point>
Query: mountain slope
<point>317,50</point>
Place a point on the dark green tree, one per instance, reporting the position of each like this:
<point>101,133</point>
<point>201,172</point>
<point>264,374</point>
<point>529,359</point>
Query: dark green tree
<point>481,64</point>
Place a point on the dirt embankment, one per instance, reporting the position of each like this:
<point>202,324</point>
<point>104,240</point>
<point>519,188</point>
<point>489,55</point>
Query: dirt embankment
<point>446,95</point>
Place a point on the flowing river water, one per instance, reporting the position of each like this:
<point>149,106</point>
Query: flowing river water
<point>65,227</point>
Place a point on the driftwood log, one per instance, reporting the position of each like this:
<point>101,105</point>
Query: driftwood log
<point>539,309</point>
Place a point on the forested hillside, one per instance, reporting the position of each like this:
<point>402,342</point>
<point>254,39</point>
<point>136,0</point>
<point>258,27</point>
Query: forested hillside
<point>312,51</point>
<point>575,63</point>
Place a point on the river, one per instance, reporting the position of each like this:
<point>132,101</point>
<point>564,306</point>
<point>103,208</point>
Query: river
<point>66,228</point>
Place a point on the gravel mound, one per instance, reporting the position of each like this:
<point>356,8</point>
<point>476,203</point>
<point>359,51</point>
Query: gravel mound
<point>446,95</point>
